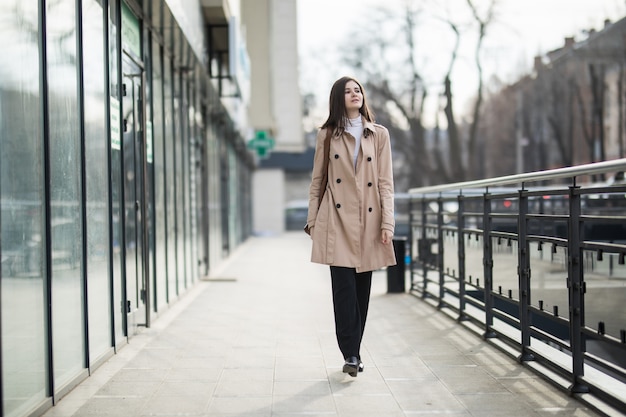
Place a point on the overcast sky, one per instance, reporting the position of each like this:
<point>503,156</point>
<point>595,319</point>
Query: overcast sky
<point>524,28</point>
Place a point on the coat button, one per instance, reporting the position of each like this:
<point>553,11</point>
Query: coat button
<point>338,205</point>
<point>336,156</point>
<point>369,209</point>
<point>369,184</point>
<point>338,180</point>
<point>369,159</point>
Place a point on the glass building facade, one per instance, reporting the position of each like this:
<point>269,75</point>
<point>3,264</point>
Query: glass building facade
<point>121,183</point>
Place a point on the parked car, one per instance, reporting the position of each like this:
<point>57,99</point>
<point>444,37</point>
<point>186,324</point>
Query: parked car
<point>296,212</point>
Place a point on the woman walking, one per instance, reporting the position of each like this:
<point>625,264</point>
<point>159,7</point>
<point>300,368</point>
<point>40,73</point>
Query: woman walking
<point>351,210</point>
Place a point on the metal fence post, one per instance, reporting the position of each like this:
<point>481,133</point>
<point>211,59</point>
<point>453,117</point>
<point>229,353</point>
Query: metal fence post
<point>440,250</point>
<point>424,266</point>
<point>488,267</point>
<point>411,242</point>
<point>523,272</point>
<point>460,219</point>
<point>576,290</point>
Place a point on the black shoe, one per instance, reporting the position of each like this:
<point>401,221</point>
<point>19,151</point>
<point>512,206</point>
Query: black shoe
<point>361,366</point>
<point>351,366</point>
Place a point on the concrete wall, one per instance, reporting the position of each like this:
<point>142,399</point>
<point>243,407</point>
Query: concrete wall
<point>268,201</point>
<point>287,101</point>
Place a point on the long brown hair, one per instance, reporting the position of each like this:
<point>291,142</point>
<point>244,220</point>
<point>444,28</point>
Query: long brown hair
<point>337,113</point>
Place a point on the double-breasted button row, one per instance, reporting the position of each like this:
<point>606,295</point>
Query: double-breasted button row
<point>369,184</point>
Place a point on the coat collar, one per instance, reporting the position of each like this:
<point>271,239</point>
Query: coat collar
<point>368,128</point>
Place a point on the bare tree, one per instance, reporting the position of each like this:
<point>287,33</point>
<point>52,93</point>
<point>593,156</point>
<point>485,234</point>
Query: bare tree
<point>398,90</point>
<point>483,24</point>
<point>456,161</point>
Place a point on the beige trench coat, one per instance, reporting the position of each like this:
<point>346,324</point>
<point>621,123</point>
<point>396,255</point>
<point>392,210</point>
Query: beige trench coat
<point>357,206</point>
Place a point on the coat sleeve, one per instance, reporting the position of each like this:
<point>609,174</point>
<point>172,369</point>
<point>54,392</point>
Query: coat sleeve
<point>316,178</point>
<point>385,181</point>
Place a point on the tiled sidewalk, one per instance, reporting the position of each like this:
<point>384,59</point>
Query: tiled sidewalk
<point>257,340</point>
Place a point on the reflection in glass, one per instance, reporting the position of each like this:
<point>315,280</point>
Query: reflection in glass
<point>159,178</point>
<point>215,202</point>
<point>96,181</point>
<point>65,185</point>
<point>132,183</point>
<point>170,187</point>
<point>116,182</point>
<point>178,171</point>
<point>21,199</point>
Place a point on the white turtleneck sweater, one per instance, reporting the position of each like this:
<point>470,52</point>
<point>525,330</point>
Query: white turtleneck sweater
<point>355,128</point>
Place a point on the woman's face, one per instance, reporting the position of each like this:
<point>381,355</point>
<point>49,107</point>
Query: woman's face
<point>353,97</point>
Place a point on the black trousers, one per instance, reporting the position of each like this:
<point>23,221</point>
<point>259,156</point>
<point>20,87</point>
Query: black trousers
<point>351,297</point>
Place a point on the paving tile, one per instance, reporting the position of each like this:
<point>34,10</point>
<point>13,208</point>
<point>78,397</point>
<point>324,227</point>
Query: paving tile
<point>111,407</point>
<point>182,405</point>
<point>468,384</point>
<point>194,374</point>
<point>120,388</point>
<point>404,372</point>
<point>250,361</point>
<point>361,385</point>
<point>357,405</point>
<point>303,404</point>
<point>296,362</point>
<point>432,398</point>
<point>244,389</point>
<point>141,374</point>
<point>496,404</point>
<point>204,362</point>
<point>260,374</point>
<point>412,360</point>
<point>317,387</point>
<point>185,388</point>
<point>299,374</point>
<point>261,406</point>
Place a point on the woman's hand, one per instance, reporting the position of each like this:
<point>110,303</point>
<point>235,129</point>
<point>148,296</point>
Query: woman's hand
<point>387,236</point>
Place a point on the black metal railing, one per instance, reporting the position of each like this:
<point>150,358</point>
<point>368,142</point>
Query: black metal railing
<point>536,261</point>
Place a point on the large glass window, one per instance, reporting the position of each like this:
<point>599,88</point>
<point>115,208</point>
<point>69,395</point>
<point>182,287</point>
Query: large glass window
<point>170,183</point>
<point>22,201</point>
<point>193,169</point>
<point>233,201</point>
<point>179,140</point>
<point>96,182</point>
<point>149,175</point>
<point>214,196</point>
<point>159,178</point>
<point>65,185</point>
<point>119,316</point>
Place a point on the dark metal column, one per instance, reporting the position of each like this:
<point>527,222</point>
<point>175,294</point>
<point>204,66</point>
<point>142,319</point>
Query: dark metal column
<point>461,254</point>
<point>576,290</point>
<point>488,267</point>
<point>440,303</point>
<point>424,263</point>
<point>523,272</point>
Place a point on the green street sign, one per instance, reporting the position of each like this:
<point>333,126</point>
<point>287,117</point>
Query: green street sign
<point>261,143</point>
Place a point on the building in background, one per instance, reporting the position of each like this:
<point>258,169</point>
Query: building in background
<point>275,106</point>
<point>569,111</point>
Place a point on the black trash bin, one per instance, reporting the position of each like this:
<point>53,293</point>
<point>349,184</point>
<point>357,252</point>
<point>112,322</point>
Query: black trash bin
<point>395,274</point>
